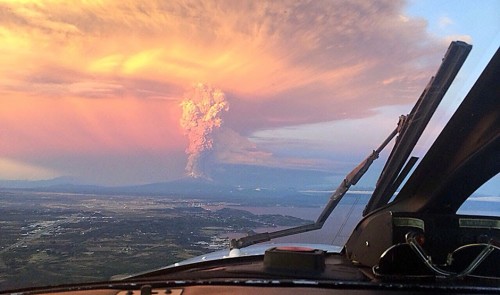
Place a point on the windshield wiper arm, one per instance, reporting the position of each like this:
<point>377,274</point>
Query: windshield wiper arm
<point>351,179</point>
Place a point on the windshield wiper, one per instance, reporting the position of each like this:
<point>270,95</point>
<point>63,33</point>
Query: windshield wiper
<point>351,179</point>
<point>410,127</point>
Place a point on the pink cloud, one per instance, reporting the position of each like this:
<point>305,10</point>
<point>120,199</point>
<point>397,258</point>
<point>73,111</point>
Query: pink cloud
<point>92,78</point>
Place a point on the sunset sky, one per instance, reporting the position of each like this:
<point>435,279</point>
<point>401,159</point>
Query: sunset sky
<point>93,89</point>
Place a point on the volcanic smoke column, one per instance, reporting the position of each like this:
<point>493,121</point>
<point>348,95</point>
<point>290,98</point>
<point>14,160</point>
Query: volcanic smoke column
<point>201,114</point>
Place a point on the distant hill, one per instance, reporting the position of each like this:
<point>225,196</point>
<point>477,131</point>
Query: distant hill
<point>222,176</point>
<point>37,183</point>
<point>228,182</point>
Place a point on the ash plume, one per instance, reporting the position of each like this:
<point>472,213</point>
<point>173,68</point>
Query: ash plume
<point>201,115</point>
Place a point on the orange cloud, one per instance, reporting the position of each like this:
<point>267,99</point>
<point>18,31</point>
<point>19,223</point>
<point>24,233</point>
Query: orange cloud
<point>96,77</point>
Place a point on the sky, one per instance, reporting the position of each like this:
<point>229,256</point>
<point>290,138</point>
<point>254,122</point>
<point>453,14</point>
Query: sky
<point>100,91</point>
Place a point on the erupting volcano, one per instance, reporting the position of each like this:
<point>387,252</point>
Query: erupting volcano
<point>201,115</point>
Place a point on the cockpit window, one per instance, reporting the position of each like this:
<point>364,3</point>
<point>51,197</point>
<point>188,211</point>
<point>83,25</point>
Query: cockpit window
<point>135,135</point>
<point>484,201</point>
